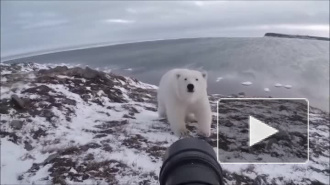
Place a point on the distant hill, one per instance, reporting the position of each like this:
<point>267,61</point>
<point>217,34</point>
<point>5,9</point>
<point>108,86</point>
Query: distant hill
<point>296,36</point>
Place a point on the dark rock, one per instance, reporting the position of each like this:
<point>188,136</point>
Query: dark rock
<point>260,179</point>
<point>244,131</point>
<point>234,95</point>
<point>85,97</point>
<point>92,145</point>
<point>87,73</point>
<point>12,136</point>
<point>50,158</point>
<point>89,157</point>
<point>47,79</point>
<point>282,107</point>
<point>132,110</point>
<point>70,101</point>
<point>150,108</point>
<point>59,180</point>
<point>107,131</point>
<point>35,167</point>
<point>228,124</point>
<point>76,71</point>
<point>112,124</point>
<point>100,136</point>
<point>90,73</point>
<point>47,114</point>
<point>107,147</point>
<point>128,116</point>
<point>18,101</point>
<point>70,151</point>
<point>4,109</point>
<point>57,69</point>
<point>41,90</point>
<point>16,124</point>
<point>156,151</point>
<point>115,95</point>
<point>28,146</point>
<point>60,69</point>
<point>80,90</point>
<point>134,141</point>
<point>99,102</point>
<point>40,132</point>
<point>316,182</point>
<point>45,178</point>
<point>241,93</point>
<point>20,177</point>
<point>136,97</point>
<point>85,176</point>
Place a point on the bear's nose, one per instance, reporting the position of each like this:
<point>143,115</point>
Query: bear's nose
<point>190,87</point>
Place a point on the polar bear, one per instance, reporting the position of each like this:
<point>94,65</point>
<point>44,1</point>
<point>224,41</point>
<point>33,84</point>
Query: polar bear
<point>182,96</point>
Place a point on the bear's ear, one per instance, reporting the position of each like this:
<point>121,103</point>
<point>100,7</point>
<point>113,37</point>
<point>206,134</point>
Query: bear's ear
<point>178,75</point>
<point>204,74</point>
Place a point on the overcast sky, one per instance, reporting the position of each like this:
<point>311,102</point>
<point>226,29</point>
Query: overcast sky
<point>28,26</point>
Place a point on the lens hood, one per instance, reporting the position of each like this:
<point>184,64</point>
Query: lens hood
<point>190,161</point>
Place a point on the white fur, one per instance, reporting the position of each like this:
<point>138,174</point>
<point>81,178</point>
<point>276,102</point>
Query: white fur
<point>178,105</point>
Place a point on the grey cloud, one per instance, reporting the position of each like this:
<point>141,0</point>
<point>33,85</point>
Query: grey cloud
<point>31,25</point>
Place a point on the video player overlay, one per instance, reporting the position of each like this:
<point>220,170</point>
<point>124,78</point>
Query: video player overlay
<point>263,130</point>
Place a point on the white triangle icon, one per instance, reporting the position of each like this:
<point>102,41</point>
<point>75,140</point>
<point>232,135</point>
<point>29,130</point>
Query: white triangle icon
<point>259,131</point>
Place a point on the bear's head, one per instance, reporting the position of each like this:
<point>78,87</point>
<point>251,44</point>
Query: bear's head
<point>191,84</point>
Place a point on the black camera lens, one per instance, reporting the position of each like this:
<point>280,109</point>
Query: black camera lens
<point>190,161</point>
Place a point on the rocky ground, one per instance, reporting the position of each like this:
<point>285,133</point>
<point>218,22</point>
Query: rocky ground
<point>62,125</point>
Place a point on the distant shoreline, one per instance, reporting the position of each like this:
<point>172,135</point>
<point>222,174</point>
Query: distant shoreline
<point>280,35</point>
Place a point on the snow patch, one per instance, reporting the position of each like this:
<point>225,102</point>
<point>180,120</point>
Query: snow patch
<point>288,86</point>
<point>266,89</point>
<point>219,79</point>
<point>278,85</point>
<point>247,83</point>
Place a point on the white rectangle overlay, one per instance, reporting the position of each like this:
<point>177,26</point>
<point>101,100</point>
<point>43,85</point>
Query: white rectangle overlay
<point>305,99</point>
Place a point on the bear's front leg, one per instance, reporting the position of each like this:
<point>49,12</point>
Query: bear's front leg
<point>190,117</point>
<point>204,118</point>
<point>161,109</point>
<point>176,118</point>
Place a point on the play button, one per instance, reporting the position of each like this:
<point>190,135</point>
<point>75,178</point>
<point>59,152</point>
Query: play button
<point>259,131</point>
<point>262,131</point>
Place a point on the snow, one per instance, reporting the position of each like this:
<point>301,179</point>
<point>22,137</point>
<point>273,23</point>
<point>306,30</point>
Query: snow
<point>12,162</point>
<point>3,79</point>
<point>247,83</point>
<point>288,86</point>
<point>219,79</point>
<point>62,76</point>
<point>5,72</point>
<point>278,85</point>
<point>266,89</point>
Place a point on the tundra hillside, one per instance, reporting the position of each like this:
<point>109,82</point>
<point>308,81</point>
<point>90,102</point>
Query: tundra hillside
<point>69,125</point>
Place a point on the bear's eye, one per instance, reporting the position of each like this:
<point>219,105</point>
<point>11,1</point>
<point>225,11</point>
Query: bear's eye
<point>185,79</point>
<point>196,79</point>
